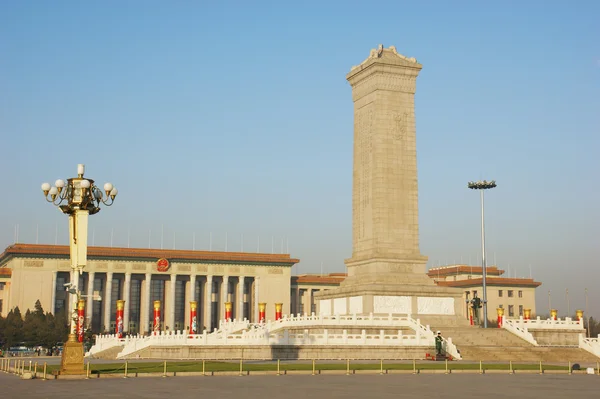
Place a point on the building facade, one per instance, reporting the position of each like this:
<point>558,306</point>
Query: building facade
<point>141,276</point>
<point>514,295</point>
<point>174,277</point>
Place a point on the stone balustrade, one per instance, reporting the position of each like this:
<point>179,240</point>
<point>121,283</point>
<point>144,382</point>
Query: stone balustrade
<point>107,341</point>
<point>545,324</point>
<point>275,333</point>
<point>519,329</point>
<point>591,345</point>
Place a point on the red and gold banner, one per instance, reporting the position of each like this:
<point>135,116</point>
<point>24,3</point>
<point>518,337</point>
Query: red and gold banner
<point>553,314</point>
<point>278,310</point>
<point>527,314</point>
<point>156,318</point>
<point>500,312</point>
<point>193,317</point>
<point>579,314</point>
<point>228,306</point>
<point>80,319</point>
<point>262,307</point>
<point>471,315</point>
<point>120,310</point>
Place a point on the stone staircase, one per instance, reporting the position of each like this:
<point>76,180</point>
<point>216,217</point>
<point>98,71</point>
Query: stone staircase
<point>496,344</point>
<point>108,354</point>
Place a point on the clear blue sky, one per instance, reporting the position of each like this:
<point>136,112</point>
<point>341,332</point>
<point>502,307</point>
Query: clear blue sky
<point>236,118</point>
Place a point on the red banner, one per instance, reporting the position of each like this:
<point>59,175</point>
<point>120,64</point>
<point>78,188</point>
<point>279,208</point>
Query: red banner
<point>261,312</point>
<point>156,318</point>
<point>193,317</point>
<point>120,309</point>
<point>80,319</point>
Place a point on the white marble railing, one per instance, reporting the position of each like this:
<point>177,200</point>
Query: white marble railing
<point>591,345</point>
<point>546,324</point>
<point>347,320</point>
<point>274,333</point>
<point>519,329</point>
<point>104,342</point>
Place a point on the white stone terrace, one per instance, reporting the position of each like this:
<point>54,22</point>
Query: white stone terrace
<point>273,333</point>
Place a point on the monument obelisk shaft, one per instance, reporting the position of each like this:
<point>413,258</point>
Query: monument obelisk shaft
<point>385,215</point>
<point>386,273</point>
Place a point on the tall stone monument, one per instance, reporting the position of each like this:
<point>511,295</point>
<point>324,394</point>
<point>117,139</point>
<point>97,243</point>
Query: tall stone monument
<point>386,273</point>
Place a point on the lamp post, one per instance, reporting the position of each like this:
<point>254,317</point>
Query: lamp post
<point>482,186</point>
<point>78,198</point>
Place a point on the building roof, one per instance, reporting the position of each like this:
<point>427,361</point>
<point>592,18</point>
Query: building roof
<point>5,272</point>
<point>491,281</point>
<point>333,278</point>
<point>62,251</point>
<point>463,269</point>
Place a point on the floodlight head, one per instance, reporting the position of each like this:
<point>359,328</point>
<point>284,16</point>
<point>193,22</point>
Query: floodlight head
<point>482,185</point>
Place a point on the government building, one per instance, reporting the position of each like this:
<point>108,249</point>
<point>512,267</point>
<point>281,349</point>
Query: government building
<point>213,279</point>
<point>141,276</point>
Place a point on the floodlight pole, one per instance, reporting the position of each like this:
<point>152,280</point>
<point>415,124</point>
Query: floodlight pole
<point>481,186</point>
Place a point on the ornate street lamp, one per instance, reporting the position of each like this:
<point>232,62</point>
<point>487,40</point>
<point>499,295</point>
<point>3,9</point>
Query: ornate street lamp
<point>482,186</point>
<point>78,197</point>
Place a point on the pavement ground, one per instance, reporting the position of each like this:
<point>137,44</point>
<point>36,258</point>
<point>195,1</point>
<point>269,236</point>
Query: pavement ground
<point>398,386</point>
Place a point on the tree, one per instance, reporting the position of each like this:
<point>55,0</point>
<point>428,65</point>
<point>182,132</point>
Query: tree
<point>35,326</point>
<point>2,331</point>
<point>13,328</point>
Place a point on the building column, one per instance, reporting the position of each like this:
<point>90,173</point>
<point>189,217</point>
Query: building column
<point>298,302</point>
<point>89,308</point>
<point>146,309</point>
<point>239,313</point>
<point>224,296</point>
<point>107,301</point>
<point>53,295</point>
<point>170,316</point>
<point>256,298</point>
<point>208,302</point>
<point>127,291</point>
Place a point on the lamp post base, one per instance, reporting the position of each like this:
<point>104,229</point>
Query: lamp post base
<point>71,362</point>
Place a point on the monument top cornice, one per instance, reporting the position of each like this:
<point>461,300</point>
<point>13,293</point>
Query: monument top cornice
<point>385,56</point>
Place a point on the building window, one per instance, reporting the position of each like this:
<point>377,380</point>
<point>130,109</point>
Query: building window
<point>510,293</point>
<point>179,305</point>
<point>469,277</point>
<point>501,306</point>
<point>2,286</point>
<point>0,306</point>
<point>511,310</point>
<point>134,306</point>
<point>520,309</point>
<point>520,294</point>
<point>474,294</point>
<point>500,293</point>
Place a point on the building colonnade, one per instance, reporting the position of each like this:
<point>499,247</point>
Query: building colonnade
<point>175,292</point>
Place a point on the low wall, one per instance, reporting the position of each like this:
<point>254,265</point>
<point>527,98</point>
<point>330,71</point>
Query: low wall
<point>556,337</point>
<point>281,352</point>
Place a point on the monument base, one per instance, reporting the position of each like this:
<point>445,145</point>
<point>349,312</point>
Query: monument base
<point>71,362</point>
<point>397,286</point>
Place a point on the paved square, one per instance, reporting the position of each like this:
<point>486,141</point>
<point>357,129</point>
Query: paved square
<point>463,386</point>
